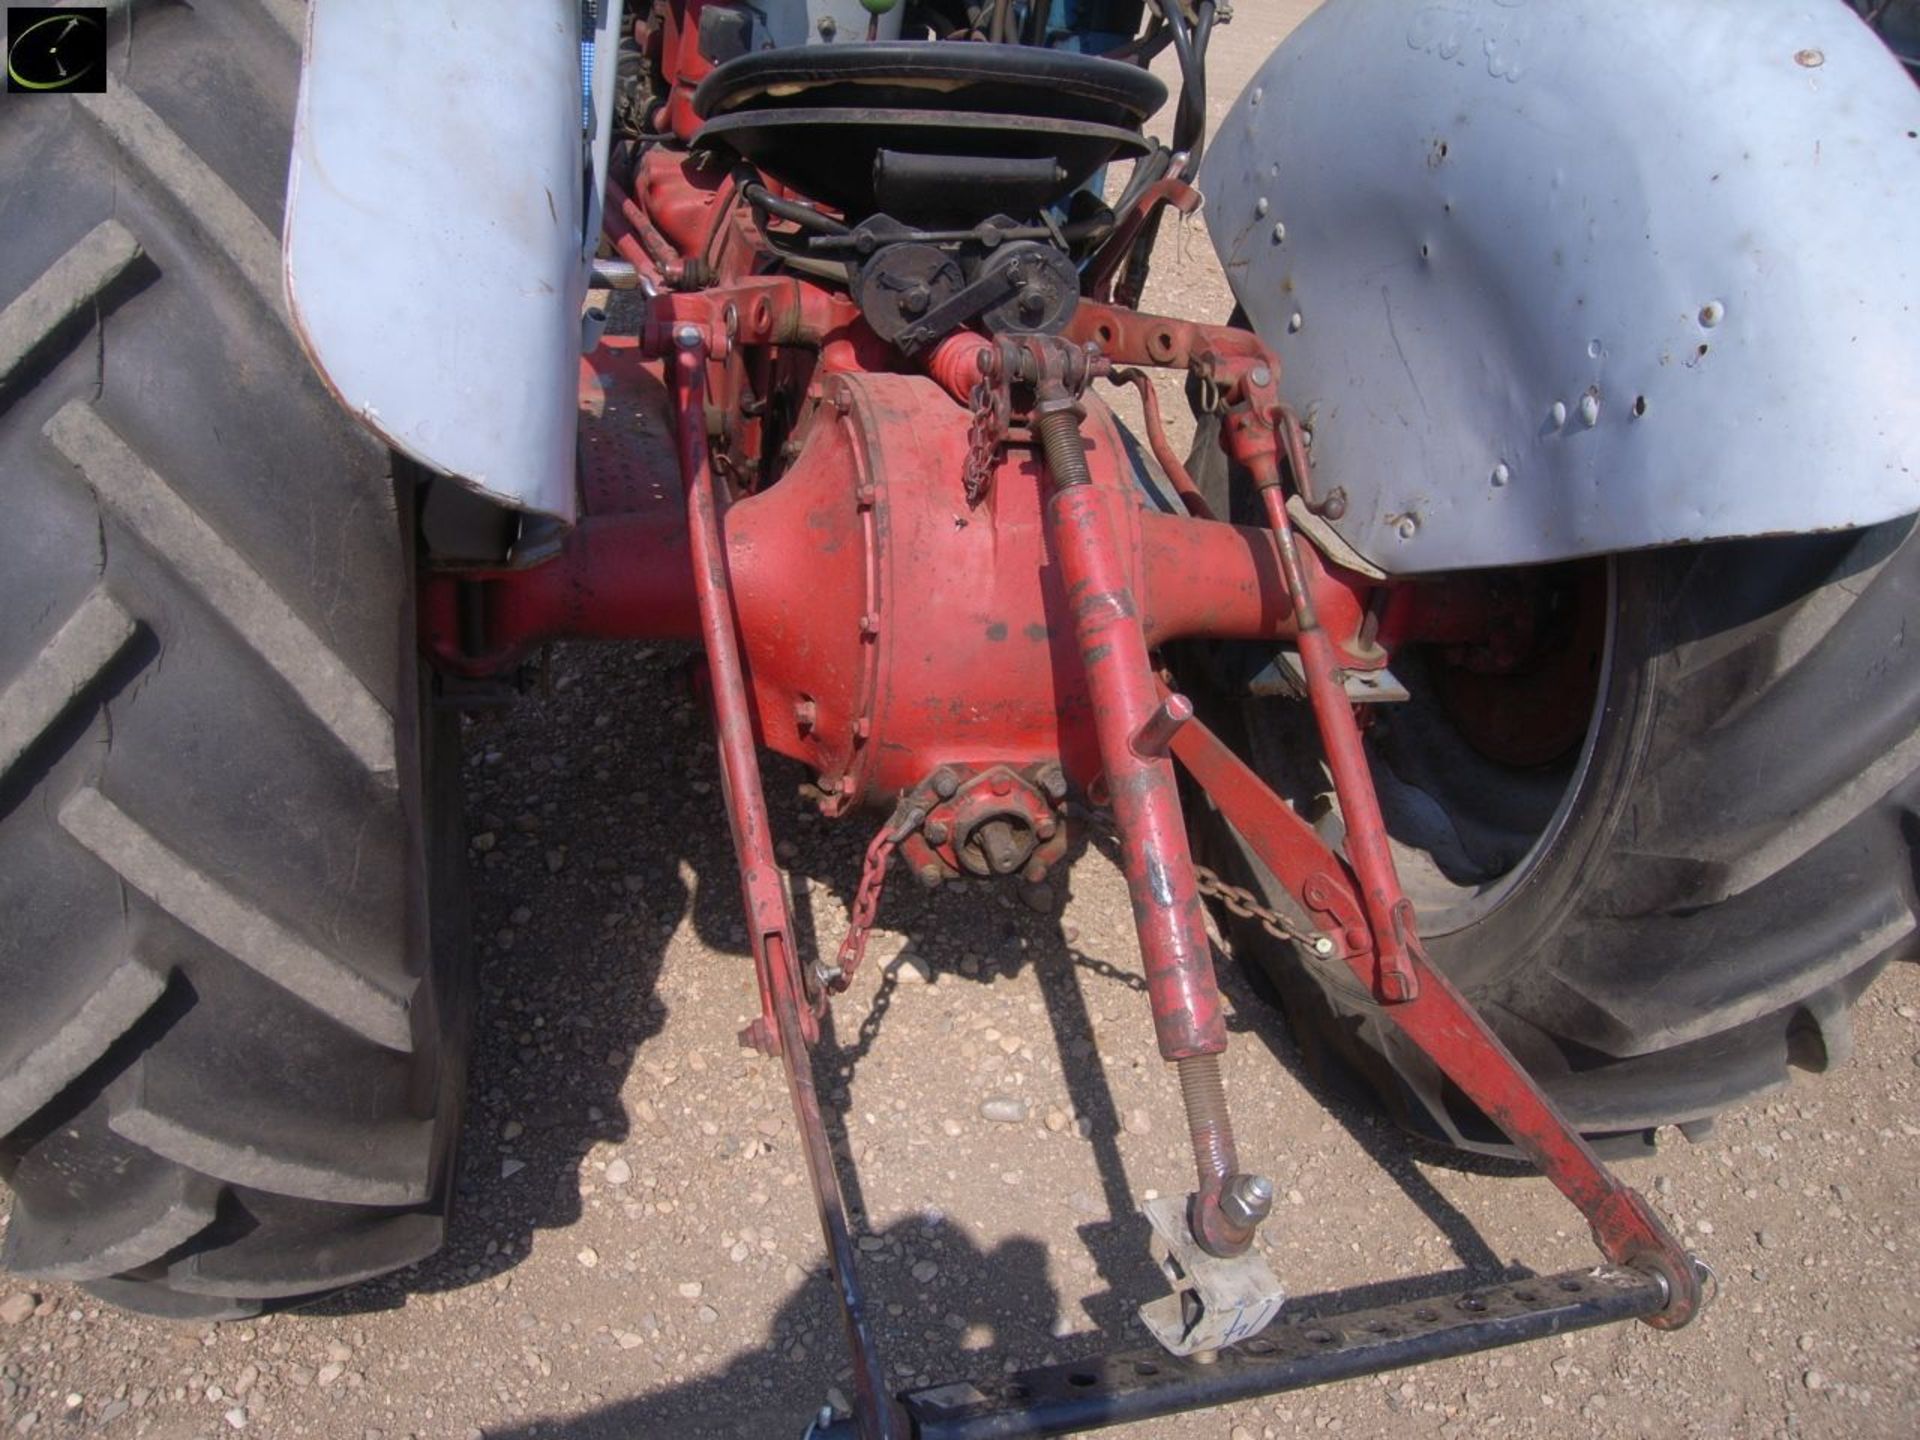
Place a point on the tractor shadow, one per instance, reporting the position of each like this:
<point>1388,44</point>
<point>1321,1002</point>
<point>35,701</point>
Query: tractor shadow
<point>597,836</point>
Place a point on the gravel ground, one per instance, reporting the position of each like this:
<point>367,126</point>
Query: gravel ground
<point>634,1252</point>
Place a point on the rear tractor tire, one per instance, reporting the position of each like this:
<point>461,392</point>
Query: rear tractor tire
<point>1669,903</point>
<point>231,1050</point>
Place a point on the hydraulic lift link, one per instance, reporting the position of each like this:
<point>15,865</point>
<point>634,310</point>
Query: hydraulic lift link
<point>787,1025</point>
<point>1415,996</point>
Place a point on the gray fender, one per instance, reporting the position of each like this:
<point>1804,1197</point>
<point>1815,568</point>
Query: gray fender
<point>440,224</point>
<point>1555,279</point>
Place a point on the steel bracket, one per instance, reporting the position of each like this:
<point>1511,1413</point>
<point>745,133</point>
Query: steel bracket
<point>1215,1302</point>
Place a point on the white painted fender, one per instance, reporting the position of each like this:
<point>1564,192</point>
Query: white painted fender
<point>1560,277</point>
<point>440,220</point>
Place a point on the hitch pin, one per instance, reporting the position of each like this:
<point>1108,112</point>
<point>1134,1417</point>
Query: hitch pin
<point>1154,738</point>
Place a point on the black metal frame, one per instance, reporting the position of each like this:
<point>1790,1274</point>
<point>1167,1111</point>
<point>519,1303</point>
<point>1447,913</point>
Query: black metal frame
<point>1292,1355</point>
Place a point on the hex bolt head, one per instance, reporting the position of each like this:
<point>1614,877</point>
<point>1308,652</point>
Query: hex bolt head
<point>1053,782</point>
<point>945,782</point>
<point>1248,1200</point>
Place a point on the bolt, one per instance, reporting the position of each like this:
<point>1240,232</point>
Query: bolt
<point>1260,208</point>
<point>760,1036</point>
<point>1590,410</point>
<point>1260,375</point>
<point>1280,233</point>
<point>688,337</point>
<point>936,832</point>
<point>945,782</point>
<point>1053,782</point>
<point>1322,946</point>
<point>1712,313</point>
<point>1295,322</point>
<point>930,875</point>
<point>1501,474</point>
<point>915,301</point>
<point>870,623</point>
<point>1248,1200</point>
<point>1408,526</point>
<point>1046,829</point>
<point>1557,416</point>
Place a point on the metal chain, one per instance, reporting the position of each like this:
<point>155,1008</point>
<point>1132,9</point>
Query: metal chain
<point>1244,903</point>
<point>906,818</point>
<point>992,413</point>
<point>1239,900</point>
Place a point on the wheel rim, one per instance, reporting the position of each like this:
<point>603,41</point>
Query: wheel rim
<point>1468,833</point>
<point>1467,827</point>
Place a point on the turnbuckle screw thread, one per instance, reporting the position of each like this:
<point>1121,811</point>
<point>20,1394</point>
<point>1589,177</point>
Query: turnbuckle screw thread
<point>1204,1093</point>
<point>1066,452</point>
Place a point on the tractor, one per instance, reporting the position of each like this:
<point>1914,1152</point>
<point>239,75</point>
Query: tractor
<point>1518,665</point>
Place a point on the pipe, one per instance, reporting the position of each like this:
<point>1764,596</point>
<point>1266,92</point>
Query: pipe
<point>1162,448</point>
